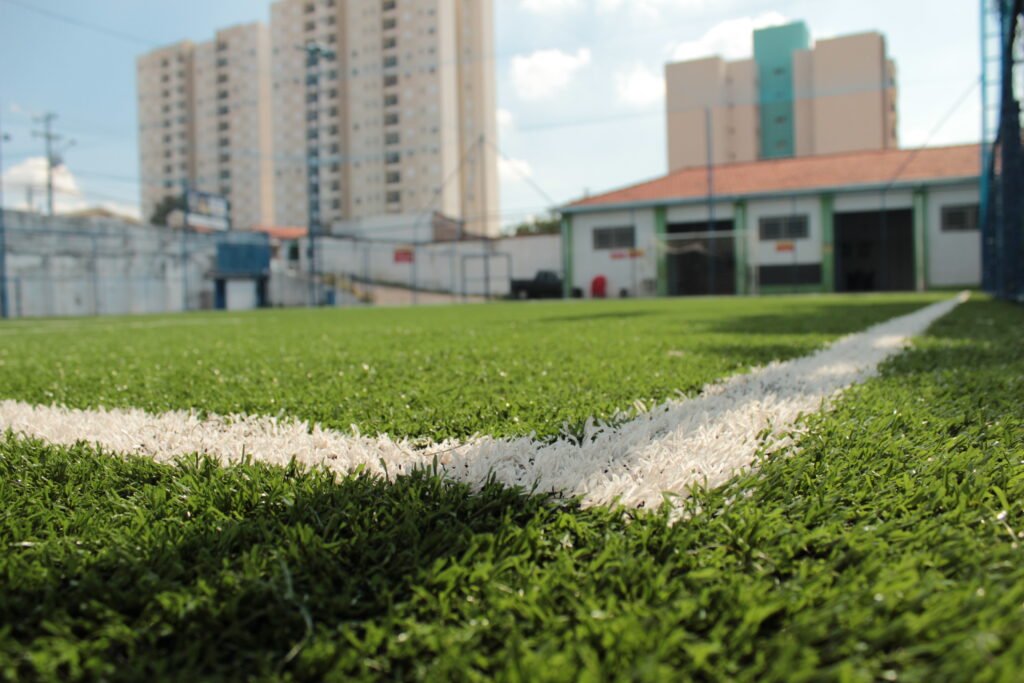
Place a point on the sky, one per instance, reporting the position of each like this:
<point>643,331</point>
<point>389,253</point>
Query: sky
<point>580,85</point>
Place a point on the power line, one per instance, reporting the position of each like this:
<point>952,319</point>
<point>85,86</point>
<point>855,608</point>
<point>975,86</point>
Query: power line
<point>113,33</point>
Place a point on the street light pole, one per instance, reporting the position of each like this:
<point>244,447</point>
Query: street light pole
<point>314,51</point>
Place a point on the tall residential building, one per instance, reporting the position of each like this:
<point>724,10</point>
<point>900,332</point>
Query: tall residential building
<point>402,119</point>
<point>791,99</point>
<point>205,122</point>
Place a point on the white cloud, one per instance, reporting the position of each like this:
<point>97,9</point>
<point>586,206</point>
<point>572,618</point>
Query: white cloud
<point>543,73</point>
<point>514,170</point>
<point>505,118</point>
<point>549,6</point>
<point>731,39</point>
<point>26,181</point>
<point>639,87</point>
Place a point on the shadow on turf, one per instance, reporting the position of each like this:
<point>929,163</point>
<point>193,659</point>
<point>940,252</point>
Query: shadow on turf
<point>205,569</point>
<point>596,316</point>
<point>832,318</point>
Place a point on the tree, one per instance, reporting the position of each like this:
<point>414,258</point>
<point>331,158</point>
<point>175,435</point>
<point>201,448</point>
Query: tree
<point>165,207</point>
<point>550,225</point>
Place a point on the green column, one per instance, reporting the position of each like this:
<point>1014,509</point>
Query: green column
<point>828,258</point>
<point>567,255</point>
<point>921,239</point>
<point>739,228</point>
<point>660,230</point>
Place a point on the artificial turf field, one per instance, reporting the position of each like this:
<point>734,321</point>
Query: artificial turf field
<point>431,373</point>
<point>886,546</point>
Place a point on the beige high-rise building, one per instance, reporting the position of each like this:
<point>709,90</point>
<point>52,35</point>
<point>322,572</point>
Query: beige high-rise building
<point>205,122</point>
<point>790,99</point>
<point>401,120</point>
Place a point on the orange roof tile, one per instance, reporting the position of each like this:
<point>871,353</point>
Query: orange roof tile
<point>802,173</point>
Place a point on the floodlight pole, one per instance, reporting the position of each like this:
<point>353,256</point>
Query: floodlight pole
<point>314,51</point>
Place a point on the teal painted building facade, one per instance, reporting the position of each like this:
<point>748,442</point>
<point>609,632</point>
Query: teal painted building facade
<point>773,55</point>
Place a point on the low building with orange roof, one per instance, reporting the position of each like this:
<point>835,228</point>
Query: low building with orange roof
<point>883,220</point>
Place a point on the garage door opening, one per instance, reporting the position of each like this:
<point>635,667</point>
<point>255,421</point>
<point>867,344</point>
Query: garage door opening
<point>700,261</point>
<point>874,251</point>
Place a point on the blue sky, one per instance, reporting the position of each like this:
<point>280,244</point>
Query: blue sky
<point>579,81</point>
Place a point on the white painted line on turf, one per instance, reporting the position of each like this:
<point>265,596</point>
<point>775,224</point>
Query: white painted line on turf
<point>706,439</point>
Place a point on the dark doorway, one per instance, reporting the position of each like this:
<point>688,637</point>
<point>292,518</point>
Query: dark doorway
<point>700,261</point>
<point>874,251</point>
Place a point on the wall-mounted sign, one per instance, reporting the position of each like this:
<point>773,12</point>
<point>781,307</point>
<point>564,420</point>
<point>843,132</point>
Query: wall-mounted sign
<point>207,210</point>
<point>404,255</point>
<point>629,253</point>
<point>785,246</point>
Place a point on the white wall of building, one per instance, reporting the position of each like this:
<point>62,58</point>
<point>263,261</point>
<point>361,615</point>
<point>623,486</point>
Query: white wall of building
<point>636,275</point>
<point>766,252</point>
<point>954,258</point>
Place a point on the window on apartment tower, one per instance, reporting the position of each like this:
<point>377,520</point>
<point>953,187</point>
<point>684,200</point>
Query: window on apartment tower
<point>390,100</point>
<point>394,197</point>
<point>388,5</point>
<point>389,43</point>
<point>389,23</point>
<point>392,158</point>
<point>393,177</point>
<point>310,8</point>
<point>391,119</point>
<point>391,139</point>
<point>390,80</point>
<point>390,61</point>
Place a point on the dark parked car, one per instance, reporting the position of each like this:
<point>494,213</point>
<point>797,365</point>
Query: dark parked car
<point>545,285</point>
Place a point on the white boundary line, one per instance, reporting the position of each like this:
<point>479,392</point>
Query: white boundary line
<point>703,440</point>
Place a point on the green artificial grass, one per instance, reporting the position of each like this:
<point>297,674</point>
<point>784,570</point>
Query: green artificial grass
<point>504,369</point>
<point>887,547</point>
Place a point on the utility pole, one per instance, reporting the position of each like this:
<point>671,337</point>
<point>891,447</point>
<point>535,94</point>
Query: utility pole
<point>314,51</point>
<point>708,133</point>
<point>53,158</point>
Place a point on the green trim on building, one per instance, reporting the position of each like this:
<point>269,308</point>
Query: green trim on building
<point>567,256</point>
<point>921,239</point>
<point>828,244</point>
<point>660,230</point>
<point>739,231</point>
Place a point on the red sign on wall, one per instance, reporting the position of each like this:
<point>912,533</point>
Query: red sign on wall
<point>404,255</point>
<point>785,246</point>
<point>631,253</point>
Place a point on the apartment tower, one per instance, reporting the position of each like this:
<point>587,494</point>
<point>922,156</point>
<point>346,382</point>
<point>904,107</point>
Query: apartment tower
<point>394,115</point>
<point>205,122</point>
<point>791,99</point>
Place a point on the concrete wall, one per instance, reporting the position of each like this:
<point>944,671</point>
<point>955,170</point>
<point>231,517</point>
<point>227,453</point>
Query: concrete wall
<point>66,267</point>
<point>456,267</point>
